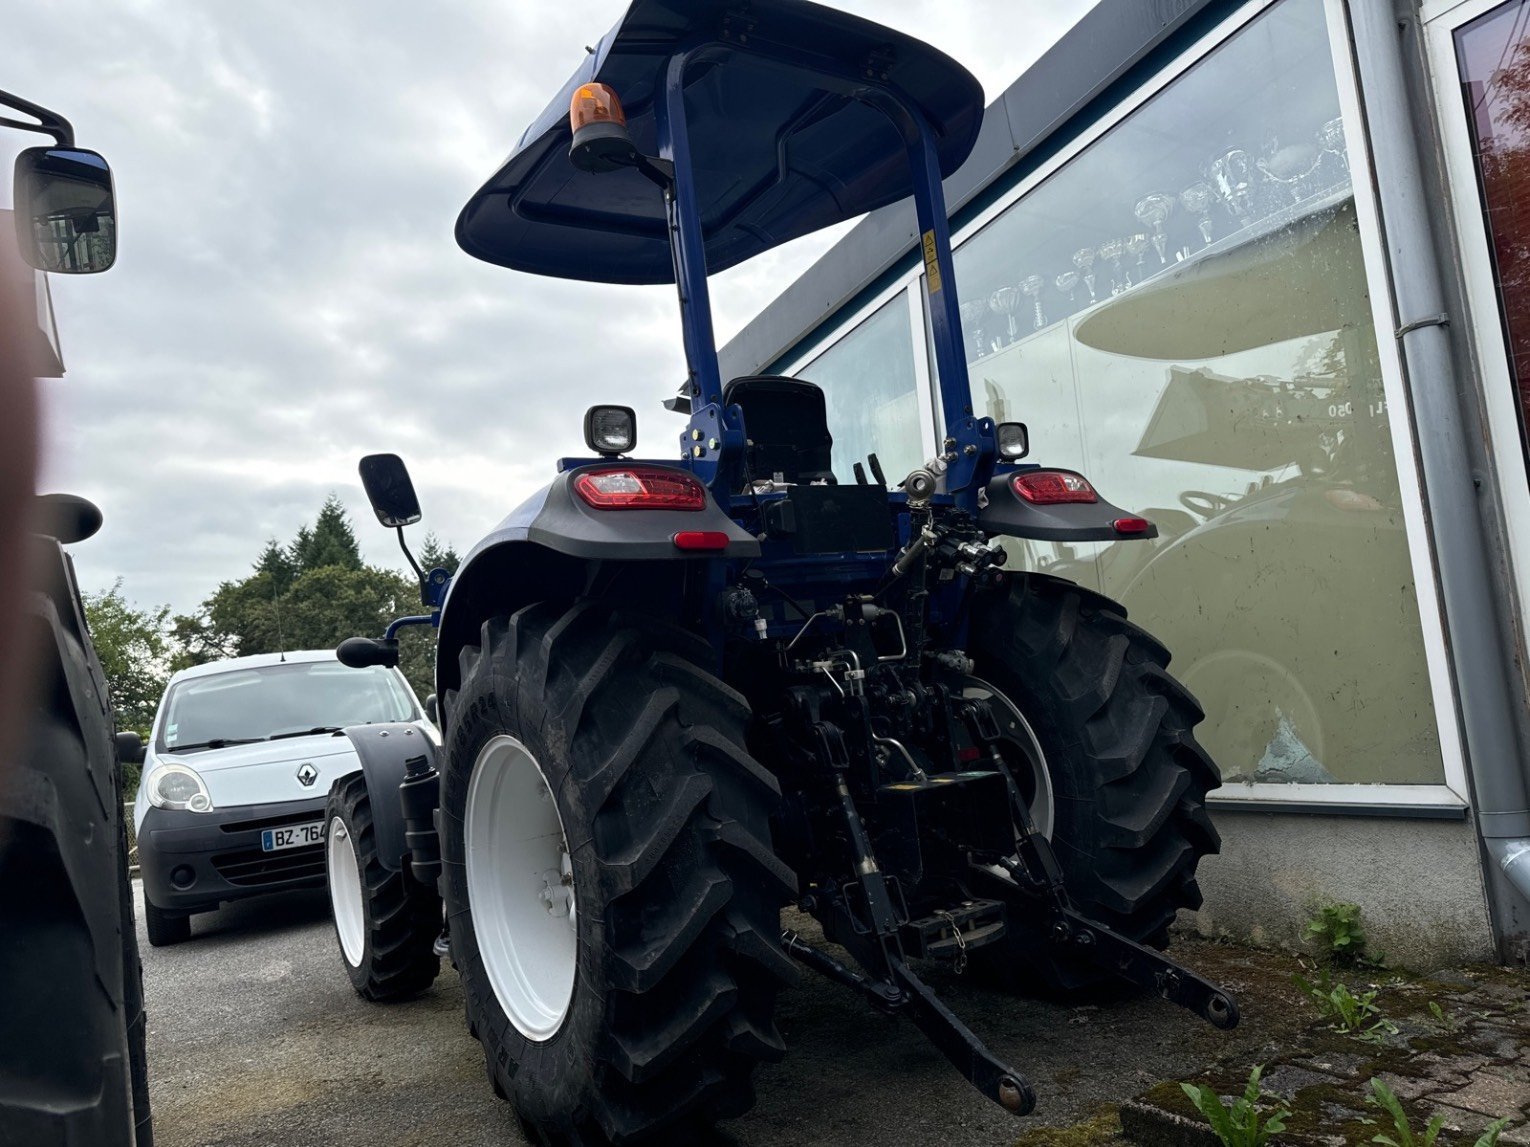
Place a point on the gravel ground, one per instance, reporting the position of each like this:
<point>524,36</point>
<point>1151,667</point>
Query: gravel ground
<point>255,1037</point>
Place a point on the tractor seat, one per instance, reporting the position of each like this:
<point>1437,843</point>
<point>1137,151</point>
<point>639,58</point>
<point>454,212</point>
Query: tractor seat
<point>786,424</point>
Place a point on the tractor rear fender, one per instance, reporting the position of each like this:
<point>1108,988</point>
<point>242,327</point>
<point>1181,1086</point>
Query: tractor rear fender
<point>555,546</point>
<point>383,749</point>
<point>1007,513</point>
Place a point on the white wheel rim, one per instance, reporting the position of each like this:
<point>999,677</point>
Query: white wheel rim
<point>1014,727</point>
<point>345,892</point>
<point>521,888</point>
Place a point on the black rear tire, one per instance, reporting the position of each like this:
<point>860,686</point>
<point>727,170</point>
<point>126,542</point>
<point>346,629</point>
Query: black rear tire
<point>401,918</point>
<point>165,927</point>
<point>1129,779</point>
<point>677,893</point>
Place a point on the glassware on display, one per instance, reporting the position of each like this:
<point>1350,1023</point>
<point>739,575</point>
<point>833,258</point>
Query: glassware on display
<point>973,315</point>
<point>1006,301</point>
<point>1033,286</point>
<point>1292,166</point>
<point>1111,251</point>
<point>1234,177</point>
<point>1083,259</point>
<point>1198,199</point>
<point>1154,211</point>
<point>1067,283</point>
<point>1136,246</point>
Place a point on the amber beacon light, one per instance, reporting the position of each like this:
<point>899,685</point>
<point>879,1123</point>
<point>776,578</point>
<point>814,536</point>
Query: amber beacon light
<point>601,142</point>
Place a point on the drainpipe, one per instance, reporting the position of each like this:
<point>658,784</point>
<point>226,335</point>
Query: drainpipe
<point>1482,665</point>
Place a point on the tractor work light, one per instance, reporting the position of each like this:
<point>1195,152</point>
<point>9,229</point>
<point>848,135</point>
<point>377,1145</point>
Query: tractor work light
<point>610,430</point>
<point>1053,487</point>
<point>599,125</point>
<point>640,488</point>
<point>1013,439</point>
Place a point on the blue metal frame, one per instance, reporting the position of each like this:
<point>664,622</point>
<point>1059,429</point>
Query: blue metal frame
<point>714,436</point>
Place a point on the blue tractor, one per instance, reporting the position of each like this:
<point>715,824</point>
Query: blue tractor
<point>680,694</point>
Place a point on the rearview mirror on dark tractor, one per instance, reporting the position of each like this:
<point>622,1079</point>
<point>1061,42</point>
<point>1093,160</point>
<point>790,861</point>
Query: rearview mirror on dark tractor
<point>386,481</point>
<point>66,219</point>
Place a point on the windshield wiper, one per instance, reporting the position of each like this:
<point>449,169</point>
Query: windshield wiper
<point>314,732</point>
<point>215,743</point>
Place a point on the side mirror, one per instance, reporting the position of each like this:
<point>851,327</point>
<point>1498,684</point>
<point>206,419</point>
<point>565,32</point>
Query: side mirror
<point>433,711</point>
<point>130,748</point>
<point>66,219</point>
<point>365,652</point>
<point>386,481</point>
<point>67,518</point>
<point>1013,440</point>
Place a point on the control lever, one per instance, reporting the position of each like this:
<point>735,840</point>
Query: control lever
<point>876,469</point>
<point>860,474</point>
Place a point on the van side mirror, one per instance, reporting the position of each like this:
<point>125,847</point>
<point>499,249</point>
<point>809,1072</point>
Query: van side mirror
<point>130,748</point>
<point>433,710</point>
<point>390,490</point>
<point>66,216</point>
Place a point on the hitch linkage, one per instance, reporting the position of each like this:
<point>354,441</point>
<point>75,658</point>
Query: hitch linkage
<point>1034,867</point>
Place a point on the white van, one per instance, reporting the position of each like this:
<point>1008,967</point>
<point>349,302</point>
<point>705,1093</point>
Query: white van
<point>235,775</point>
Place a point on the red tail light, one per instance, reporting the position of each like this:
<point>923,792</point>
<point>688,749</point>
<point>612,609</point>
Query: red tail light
<point>640,488</point>
<point>701,540</point>
<point>1132,525</point>
<point>1053,487</point>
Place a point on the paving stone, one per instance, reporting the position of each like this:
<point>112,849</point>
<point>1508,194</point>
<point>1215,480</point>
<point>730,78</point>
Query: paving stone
<point>1341,1065</point>
<point>1463,1122</point>
<point>1151,1126</point>
<point>1515,1137</point>
<point>1286,1079</point>
<point>1449,1069</point>
<point>1500,1043</point>
<point>1492,1092</point>
<point>1408,1086</point>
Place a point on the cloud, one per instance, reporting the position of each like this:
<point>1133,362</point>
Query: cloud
<point>289,296</point>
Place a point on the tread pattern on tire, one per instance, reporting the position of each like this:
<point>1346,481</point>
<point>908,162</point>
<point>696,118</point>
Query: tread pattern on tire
<point>165,928</point>
<point>1129,778</point>
<point>668,819</point>
<point>400,918</point>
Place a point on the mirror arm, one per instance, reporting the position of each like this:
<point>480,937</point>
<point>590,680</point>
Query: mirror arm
<point>50,122</point>
<point>418,572</point>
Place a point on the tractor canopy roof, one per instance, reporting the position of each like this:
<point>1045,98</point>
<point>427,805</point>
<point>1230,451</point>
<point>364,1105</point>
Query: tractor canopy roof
<point>779,144</point>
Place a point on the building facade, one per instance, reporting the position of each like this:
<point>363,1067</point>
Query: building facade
<point>1261,270</point>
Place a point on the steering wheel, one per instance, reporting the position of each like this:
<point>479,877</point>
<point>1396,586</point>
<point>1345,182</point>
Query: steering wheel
<point>1204,504</point>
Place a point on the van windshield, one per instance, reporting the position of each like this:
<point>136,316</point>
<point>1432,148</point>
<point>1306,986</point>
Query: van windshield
<point>256,704</point>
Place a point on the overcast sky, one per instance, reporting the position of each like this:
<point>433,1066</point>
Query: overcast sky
<point>288,295</point>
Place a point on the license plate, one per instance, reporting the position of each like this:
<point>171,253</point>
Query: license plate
<point>293,836</point>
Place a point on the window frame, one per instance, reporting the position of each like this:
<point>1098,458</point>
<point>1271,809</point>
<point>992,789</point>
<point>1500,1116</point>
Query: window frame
<point>1447,799</point>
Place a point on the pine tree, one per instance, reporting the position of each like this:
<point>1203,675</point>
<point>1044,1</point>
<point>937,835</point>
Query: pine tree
<point>331,541</point>
<point>433,554</point>
<point>277,562</point>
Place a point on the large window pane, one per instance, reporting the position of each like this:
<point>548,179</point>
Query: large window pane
<point>868,380</point>
<point>1182,312</point>
<point>1493,53</point>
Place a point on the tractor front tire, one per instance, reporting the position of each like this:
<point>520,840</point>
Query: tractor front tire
<point>386,923</point>
<point>1129,781</point>
<point>627,993</point>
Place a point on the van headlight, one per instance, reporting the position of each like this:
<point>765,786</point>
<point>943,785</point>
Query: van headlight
<point>177,787</point>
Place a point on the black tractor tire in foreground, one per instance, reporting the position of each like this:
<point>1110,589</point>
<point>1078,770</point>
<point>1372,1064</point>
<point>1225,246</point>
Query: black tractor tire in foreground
<point>1129,779</point>
<point>72,1059</point>
<point>165,927</point>
<point>400,917</point>
<point>677,891</point>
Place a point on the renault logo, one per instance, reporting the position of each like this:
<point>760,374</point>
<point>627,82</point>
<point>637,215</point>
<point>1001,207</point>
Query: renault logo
<point>307,774</point>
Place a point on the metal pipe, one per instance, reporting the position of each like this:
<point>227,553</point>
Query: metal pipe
<point>1461,544</point>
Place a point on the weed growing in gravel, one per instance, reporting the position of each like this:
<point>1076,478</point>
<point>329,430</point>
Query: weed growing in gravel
<point>1381,1096</point>
<point>1356,1015</point>
<point>1336,931</point>
<point>1239,1125</point>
